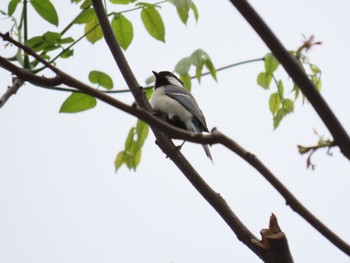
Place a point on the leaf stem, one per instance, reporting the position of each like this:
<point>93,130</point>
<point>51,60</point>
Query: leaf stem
<point>150,87</point>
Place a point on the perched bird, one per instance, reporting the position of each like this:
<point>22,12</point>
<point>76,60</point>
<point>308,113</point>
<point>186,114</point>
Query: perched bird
<point>171,99</point>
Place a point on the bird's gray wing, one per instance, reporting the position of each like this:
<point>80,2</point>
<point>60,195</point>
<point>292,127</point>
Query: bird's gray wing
<point>186,99</point>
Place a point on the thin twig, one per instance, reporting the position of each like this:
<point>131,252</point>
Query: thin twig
<point>151,87</point>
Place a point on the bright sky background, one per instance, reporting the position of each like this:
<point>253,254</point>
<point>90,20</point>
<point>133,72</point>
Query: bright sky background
<point>61,201</point>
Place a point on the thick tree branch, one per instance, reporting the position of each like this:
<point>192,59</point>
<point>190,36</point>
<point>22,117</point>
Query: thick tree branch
<point>214,137</point>
<point>294,70</point>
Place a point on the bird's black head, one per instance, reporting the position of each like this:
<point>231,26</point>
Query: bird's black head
<point>166,78</point>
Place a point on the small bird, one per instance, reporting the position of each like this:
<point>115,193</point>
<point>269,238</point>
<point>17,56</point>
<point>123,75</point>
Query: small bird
<point>171,99</point>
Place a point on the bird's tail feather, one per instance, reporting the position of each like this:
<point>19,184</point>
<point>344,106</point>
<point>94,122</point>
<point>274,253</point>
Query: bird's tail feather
<point>197,129</point>
<point>207,152</point>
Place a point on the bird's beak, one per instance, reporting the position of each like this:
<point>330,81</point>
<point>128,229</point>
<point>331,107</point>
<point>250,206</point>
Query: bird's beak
<point>155,74</point>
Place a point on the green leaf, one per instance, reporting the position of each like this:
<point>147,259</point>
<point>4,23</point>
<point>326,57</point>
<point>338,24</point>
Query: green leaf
<point>274,102</point>
<point>46,10</point>
<point>142,129</point>
<point>129,139</point>
<point>137,159</point>
<point>183,66</point>
<point>101,78</point>
<point>35,42</point>
<point>186,79</point>
<point>52,37</point>
<point>148,93</point>
<point>210,66</point>
<point>85,16</point>
<point>288,106</point>
<point>182,8</point>
<point>153,23</point>
<point>86,4</point>
<point>67,53</point>
<point>278,118</point>
<point>314,69</point>
<point>264,80</point>
<point>296,90</point>
<point>129,161</point>
<point>317,82</point>
<point>11,8</point>
<point>195,11</point>
<point>93,31</point>
<point>280,88</point>
<point>131,155</point>
<point>132,151</point>
<point>49,47</point>
<point>77,102</point>
<point>122,2</point>
<point>271,63</point>
<point>119,160</point>
<point>65,40</point>
<point>123,30</point>
<point>198,57</point>
<point>199,74</point>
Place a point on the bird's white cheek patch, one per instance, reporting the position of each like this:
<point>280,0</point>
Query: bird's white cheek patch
<point>174,81</point>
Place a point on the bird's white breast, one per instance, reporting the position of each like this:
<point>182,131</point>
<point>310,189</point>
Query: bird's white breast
<point>163,103</point>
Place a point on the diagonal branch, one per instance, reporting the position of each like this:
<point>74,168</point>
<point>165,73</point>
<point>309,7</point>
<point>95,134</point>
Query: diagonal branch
<point>293,202</point>
<point>165,143</point>
<point>292,67</point>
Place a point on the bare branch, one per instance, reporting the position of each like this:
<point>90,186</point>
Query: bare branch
<point>292,67</point>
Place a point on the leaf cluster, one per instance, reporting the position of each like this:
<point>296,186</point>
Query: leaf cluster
<point>78,102</point>
<point>199,59</point>
<point>131,155</point>
<point>280,103</point>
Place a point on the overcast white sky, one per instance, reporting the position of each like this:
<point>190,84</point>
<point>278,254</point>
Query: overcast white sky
<point>61,201</point>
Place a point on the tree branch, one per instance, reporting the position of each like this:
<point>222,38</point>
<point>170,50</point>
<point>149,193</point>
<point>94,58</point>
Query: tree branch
<point>288,196</point>
<point>169,149</point>
<point>292,67</point>
<point>165,143</point>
